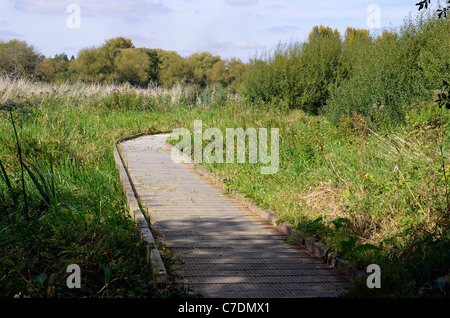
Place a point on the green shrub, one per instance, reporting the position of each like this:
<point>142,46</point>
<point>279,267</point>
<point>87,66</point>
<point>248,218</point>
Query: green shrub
<point>396,69</point>
<point>296,73</point>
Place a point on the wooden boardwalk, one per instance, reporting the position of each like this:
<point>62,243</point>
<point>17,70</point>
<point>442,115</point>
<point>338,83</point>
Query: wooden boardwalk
<point>227,250</point>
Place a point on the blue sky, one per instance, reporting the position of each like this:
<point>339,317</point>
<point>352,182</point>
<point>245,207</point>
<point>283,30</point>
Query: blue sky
<point>229,28</point>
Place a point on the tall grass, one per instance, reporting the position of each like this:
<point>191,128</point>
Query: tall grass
<point>371,197</point>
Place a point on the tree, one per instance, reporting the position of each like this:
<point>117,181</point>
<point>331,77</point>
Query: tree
<point>49,69</point>
<point>154,64</point>
<point>130,66</point>
<point>225,72</point>
<point>319,61</point>
<point>199,64</point>
<point>119,43</point>
<point>108,63</point>
<point>91,66</point>
<point>17,58</point>
<point>235,68</point>
<point>217,74</point>
<point>53,69</point>
<point>442,12</point>
<point>173,68</point>
<point>118,60</point>
<point>62,56</point>
<point>355,45</point>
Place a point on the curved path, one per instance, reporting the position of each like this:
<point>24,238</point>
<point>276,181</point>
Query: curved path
<point>227,250</point>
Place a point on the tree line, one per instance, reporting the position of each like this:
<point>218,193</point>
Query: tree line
<point>119,61</point>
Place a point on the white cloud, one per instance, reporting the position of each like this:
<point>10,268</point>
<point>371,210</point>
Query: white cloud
<point>242,45</point>
<point>242,3</point>
<point>128,9</point>
<point>8,35</point>
<point>283,28</point>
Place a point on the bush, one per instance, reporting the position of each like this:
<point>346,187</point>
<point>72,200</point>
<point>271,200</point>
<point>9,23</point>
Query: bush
<point>298,74</point>
<point>394,70</point>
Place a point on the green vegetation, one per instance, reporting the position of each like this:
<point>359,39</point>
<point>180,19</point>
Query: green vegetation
<point>335,77</point>
<point>295,75</point>
<point>364,150</point>
<point>369,176</point>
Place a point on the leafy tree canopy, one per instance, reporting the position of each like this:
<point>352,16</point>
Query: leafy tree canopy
<point>17,58</point>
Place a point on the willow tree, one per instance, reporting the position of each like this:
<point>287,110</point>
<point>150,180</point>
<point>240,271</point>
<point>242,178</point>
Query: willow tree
<point>18,58</point>
<point>53,69</point>
<point>319,61</point>
<point>199,65</point>
<point>130,66</point>
<point>173,68</point>
<point>116,61</point>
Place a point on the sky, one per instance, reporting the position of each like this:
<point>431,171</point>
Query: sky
<point>228,28</point>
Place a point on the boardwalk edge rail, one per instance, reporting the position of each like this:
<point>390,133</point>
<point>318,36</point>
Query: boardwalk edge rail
<point>153,256</point>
